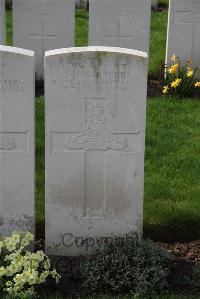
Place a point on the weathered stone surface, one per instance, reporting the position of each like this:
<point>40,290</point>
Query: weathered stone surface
<point>184,31</point>
<point>17,185</point>
<point>2,22</point>
<point>118,23</point>
<point>95,132</point>
<point>42,25</point>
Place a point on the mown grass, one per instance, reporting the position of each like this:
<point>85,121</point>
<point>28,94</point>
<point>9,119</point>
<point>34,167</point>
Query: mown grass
<point>172,170</point>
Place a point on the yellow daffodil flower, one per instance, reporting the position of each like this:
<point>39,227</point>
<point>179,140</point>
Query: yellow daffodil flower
<point>176,83</point>
<point>197,84</point>
<point>190,73</point>
<point>173,69</point>
<point>165,89</point>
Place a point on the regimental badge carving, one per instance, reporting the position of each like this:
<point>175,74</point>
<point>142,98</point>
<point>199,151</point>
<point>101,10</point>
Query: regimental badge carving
<point>7,143</point>
<point>97,134</point>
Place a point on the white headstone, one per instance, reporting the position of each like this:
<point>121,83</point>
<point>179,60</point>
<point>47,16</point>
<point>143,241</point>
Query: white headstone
<point>95,132</point>
<point>184,31</point>
<point>154,4</point>
<point>42,25</point>
<point>2,23</point>
<point>118,23</point>
<point>17,185</point>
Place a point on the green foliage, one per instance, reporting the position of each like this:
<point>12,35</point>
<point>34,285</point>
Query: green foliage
<point>140,268</point>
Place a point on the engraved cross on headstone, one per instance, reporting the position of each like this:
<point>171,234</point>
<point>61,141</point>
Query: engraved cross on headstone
<point>119,38</point>
<point>96,140</point>
<point>42,38</point>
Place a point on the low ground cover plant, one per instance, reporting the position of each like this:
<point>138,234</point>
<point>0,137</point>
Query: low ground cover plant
<point>181,81</point>
<point>21,271</point>
<point>125,266</point>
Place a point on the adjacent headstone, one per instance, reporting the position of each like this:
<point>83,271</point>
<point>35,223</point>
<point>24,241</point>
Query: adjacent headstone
<point>42,25</point>
<point>154,4</point>
<point>95,132</point>
<point>2,23</point>
<point>184,31</point>
<point>118,23</point>
<point>17,185</point>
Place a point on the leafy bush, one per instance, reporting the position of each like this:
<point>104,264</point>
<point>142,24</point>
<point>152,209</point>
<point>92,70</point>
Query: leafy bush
<point>124,266</point>
<point>180,80</point>
<point>20,270</point>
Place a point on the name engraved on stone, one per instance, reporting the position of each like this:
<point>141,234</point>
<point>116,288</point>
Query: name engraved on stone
<point>81,77</point>
<point>13,141</point>
<point>7,85</point>
<point>95,141</point>
<point>27,222</point>
<point>187,17</point>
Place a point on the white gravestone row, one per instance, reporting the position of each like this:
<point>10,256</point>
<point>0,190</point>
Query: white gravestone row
<point>42,25</point>
<point>2,22</point>
<point>118,23</point>
<point>184,31</point>
<point>49,24</point>
<point>95,132</point>
<point>17,148</point>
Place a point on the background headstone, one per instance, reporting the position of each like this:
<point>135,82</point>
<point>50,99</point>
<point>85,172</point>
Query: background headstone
<point>42,25</point>
<point>95,132</point>
<point>184,31</point>
<point>17,149</point>
<point>2,23</point>
<point>118,23</point>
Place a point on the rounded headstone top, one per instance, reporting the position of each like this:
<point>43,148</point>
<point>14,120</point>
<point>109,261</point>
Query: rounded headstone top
<point>96,49</point>
<point>15,50</point>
